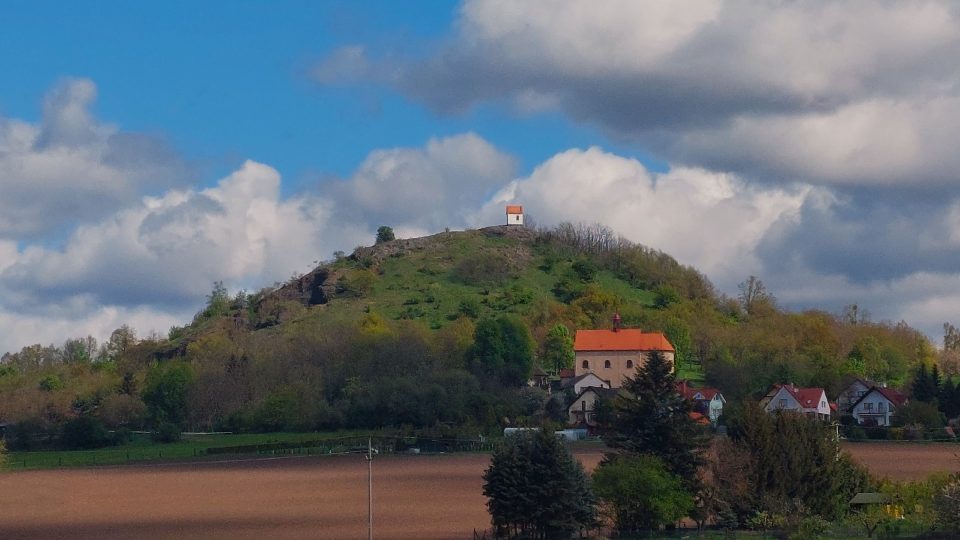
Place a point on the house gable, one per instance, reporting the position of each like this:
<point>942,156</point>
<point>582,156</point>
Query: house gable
<point>877,406</point>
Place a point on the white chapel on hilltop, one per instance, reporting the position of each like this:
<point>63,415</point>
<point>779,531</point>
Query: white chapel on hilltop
<point>514,215</point>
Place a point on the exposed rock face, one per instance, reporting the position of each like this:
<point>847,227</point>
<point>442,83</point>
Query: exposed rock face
<point>313,288</point>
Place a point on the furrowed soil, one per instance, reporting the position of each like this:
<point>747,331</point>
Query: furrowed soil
<point>310,497</point>
<point>423,496</point>
<point>905,460</point>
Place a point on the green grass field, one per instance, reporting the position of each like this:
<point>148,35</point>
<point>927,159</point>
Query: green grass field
<point>142,449</point>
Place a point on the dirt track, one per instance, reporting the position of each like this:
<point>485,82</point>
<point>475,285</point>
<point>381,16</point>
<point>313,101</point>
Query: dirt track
<point>312,497</point>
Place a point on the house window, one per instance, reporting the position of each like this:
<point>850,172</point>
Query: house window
<point>783,404</point>
<point>881,407</point>
<point>606,364</point>
<point>629,364</point>
<point>868,407</point>
<point>823,404</point>
<point>586,364</point>
<point>583,405</point>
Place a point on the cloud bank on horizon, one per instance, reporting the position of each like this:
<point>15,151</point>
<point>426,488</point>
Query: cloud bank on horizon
<point>809,144</point>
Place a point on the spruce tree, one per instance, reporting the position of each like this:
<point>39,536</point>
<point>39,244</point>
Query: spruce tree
<point>535,488</point>
<point>652,418</point>
<point>925,385</point>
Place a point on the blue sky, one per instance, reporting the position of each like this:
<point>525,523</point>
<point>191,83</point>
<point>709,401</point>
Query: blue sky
<point>153,149</point>
<point>225,82</point>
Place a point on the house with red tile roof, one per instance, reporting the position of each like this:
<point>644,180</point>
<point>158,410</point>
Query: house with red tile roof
<point>876,406</point>
<point>787,397</point>
<point>855,388</point>
<point>708,402</point>
<point>615,354</point>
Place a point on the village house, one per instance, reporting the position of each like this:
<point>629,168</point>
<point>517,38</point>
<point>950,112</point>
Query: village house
<point>853,391</point>
<point>787,397</point>
<point>876,406</point>
<point>581,411</point>
<point>708,402</point>
<point>615,354</point>
<point>579,383</point>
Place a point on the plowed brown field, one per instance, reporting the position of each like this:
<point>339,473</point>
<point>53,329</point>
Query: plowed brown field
<point>307,497</point>
<point>904,460</point>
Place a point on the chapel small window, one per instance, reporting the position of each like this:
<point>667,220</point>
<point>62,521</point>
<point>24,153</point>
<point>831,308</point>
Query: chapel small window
<point>586,364</point>
<point>606,364</point>
<point>629,363</point>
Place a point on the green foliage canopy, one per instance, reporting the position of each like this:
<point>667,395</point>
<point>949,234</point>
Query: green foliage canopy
<point>536,488</point>
<point>796,458</point>
<point>639,493</point>
<point>503,349</point>
<point>650,417</point>
<point>165,392</point>
<point>558,350</point>
<point>384,234</point>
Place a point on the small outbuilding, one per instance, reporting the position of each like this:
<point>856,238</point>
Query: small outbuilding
<point>514,214</point>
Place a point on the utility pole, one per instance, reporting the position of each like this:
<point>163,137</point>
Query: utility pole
<point>370,487</point>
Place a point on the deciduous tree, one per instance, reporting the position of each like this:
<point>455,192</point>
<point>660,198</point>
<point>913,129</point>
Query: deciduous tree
<point>639,493</point>
<point>558,349</point>
<point>503,348</point>
<point>385,234</point>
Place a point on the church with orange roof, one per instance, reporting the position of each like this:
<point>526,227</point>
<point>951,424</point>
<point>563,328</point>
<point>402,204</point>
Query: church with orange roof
<point>615,354</point>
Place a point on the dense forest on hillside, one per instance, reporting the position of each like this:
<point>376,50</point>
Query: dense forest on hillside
<point>433,333</point>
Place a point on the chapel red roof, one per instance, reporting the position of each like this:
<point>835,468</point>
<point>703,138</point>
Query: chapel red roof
<point>627,339</point>
<point>514,209</point>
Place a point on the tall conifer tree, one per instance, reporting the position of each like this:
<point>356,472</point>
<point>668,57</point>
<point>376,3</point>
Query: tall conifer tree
<point>652,418</point>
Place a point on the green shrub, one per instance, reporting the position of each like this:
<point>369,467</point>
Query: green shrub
<point>856,433</point>
<point>84,433</point>
<point>469,307</point>
<point>484,269</point>
<point>166,432</point>
<point>50,383</point>
<point>811,528</point>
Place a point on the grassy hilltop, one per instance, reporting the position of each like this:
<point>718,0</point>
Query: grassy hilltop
<point>438,279</point>
<point>387,337</point>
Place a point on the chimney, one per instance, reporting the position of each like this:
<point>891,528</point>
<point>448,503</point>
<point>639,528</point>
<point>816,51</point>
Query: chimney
<point>616,322</point>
